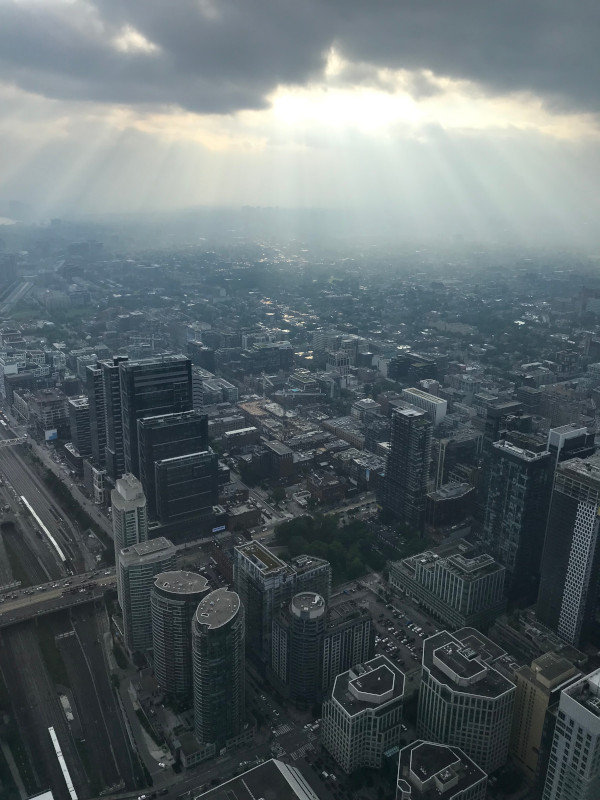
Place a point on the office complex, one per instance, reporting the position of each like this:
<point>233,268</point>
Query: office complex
<point>114,452</point>
<point>435,407</point>
<point>94,387</point>
<point>186,486</point>
<point>151,387</point>
<point>518,496</point>
<point>574,764</point>
<point>463,700</point>
<point>429,770</point>
<point>263,582</point>
<point>312,644</point>
<point>218,668</point>
<point>362,717</point>
<point>458,587</point>
<point>174,599</point>
<point>165,437</point>
<point>404,487</point>
<point>570,441</point>
<point>538,693</point>
<point>138,566</point>
<point>571,559</point>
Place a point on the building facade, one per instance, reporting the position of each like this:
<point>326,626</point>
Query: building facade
<point>186,486</point>
<point>570,566</point>
<point>463,700</point>
<point>574,764</point>
<point>218,637</point>
<point>138,566</point>
<point>362,718</point>
<point>404,487</point>
<point>174,599</point>
<point>151,387</point>
<point>518,497</point>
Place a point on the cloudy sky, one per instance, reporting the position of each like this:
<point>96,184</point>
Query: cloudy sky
<point>484,114</point>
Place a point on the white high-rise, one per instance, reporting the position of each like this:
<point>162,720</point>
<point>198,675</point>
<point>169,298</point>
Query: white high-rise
<point>574,765</point>
<point>129,518</point>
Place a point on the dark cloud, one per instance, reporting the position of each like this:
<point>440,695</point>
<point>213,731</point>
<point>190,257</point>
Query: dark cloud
<point>223,55</point>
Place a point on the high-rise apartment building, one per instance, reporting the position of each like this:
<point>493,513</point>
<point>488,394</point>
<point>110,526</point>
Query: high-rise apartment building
<point>218,638</point>
<point>428,770</point>
<point>174,599</point>
<point>404,487</point>
<point>264,581</point>
<point>114,453</point>
<point>312,644</point>
<point>538,691</point>
<point>458,587</point>
<point>362,717</point>
<point>574,764</point>
<point>463,700</point>
<point>138,566</point>
<point>151,387</point>
<point>570,568</point>
<point>164,437</point>
<point>518,497</point>
<point>129,517</point>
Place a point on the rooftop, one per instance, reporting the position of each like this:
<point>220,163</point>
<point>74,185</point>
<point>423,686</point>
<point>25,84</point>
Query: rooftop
<point>432,770</point>
<point>307,602</point>
<point>369,685</point>
<point>464,662</point>
<point>182,583</point>
<point>217,608</point>
<point>260,555</point>
<point>431,398</point>
<point>153,547</point>
<point>518,452</point>
<point>272,780</point>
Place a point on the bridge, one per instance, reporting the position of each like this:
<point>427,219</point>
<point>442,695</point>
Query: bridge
<point>48,598</point>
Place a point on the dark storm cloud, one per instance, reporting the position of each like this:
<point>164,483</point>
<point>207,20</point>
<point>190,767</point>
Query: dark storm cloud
<point>224,55</point>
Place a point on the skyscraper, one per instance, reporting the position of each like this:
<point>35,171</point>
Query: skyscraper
<point>129,517</point>
<point>218,668</point>
<point>518,496</point>
<point>164,437</point>
<point>570,568</point>
<point>174,599</point>
<point>114,454</point>
<point>151,387</point>
<point>404,487</point>
<point>427,770</point>
<point>79,422</point>
<point>574,765</point>
<point>94,386</point>
<point>138,566</point>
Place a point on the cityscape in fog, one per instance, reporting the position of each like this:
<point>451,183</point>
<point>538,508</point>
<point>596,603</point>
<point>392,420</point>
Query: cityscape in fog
<point>299,400</point>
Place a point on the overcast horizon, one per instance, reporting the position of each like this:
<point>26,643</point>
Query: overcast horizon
<point>466,117</point>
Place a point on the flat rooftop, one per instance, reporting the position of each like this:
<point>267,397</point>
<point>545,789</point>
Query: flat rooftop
<point>587,693</point>
<point>431,398</point>
<point>217,608</point>
<point>421,761</point>
<point>379,676</point>
<point>179,582</point>
<point>272,780</point>
<point>147,549</point>
<point>465,656</point>
<point>519,452</point>
<point>260,555</point>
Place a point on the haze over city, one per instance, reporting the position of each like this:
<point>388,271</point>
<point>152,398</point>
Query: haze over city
<point>479,120</point>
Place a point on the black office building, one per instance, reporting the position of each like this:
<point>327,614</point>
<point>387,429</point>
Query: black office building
<point>94,386</point>
<point>517,500</point>
<point>165,437</point>
<point>404,487</point>
<point>186,486</point>
<point>149,388</point>
<point>114,453</point>
<point>570,570</point>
